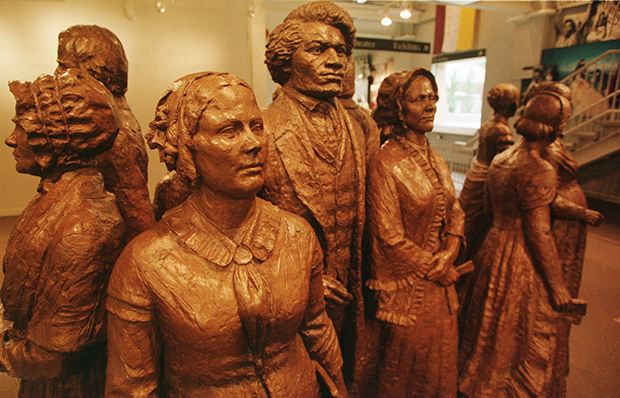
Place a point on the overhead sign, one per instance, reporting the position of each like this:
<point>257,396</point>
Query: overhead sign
<point>363,43</point>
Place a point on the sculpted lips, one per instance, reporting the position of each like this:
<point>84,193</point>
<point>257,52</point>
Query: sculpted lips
<point>255,167</point>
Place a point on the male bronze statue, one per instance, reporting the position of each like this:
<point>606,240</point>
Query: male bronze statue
<point>97,51</point>
<point>316,166</point>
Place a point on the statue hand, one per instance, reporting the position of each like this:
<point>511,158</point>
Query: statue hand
<point>451,277</point>
<point>561,298</point>
<point>594,218</point>
<point>443,263</point>
<point>335,293</point>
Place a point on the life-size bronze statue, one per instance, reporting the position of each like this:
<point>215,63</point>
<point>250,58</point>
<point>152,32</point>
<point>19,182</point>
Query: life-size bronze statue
<point>519,292</point>
<point>569,227</point>
<point>98,51</point>
<point>494,137</point>
<point>317,159</point>
<point>62,248</point>
<point>223,297</point>
<point>358,114</point>
<point>415,224</point>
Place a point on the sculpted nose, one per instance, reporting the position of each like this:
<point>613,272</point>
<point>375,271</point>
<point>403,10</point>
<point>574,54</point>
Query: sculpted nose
<point>11,140</point>
<point>334,60</point>
<point>252,142</point>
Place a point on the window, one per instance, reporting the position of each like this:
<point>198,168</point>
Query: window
<point>460,80</point>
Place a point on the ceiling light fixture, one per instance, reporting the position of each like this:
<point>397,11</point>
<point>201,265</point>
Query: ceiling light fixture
<point>386,21</point>
<point>405,13</point>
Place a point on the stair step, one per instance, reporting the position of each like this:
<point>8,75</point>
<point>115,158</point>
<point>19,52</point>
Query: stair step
<point>588,135</point>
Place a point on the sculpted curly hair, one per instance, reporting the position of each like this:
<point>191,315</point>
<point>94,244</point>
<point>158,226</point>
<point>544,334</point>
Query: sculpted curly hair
<point>68,119</point>
<point>287,36</point>
<point>177,115</point>
<point>97,51</point>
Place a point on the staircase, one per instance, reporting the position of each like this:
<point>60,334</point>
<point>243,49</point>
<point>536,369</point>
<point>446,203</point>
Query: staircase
<point>592,133</point>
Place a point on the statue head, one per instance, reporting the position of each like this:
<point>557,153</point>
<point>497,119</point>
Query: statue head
<point>61,122</point>
<point>308,51</point>
<point>348,83</point>
<point>209,129</point>
<point>551,86</point>
<point>96,51</point>
<point>415,101</point>
<point>544,117</point>
<point>504,99</point>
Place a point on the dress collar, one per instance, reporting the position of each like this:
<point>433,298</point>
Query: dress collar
<point>204,238</point>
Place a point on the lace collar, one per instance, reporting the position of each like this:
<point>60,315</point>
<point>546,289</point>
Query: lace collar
<point>204,238</point>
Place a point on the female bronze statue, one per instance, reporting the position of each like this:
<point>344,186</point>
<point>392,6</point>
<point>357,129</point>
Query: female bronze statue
<point>223,297</point>
<point>415,227</point>
<point>507,347</point>
<point>494,137</point>
<point>570,217</point>
<point>62,248</point>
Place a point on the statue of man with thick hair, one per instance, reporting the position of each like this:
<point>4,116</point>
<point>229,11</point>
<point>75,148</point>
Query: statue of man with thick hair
<point>317,158</point>
<point>98,52</point>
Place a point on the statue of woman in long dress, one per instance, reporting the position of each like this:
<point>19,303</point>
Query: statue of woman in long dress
<point>63,246</point>
<point>223,297</point>
<point>519,292</point>
<point>415,227</point>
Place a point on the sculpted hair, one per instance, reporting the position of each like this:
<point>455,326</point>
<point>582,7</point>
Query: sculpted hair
<point>68,119</point>
<point>97,51</point>
<point>286,37</point>
<point>177,116</point>
<point>504,98</point>
<point>544,117</point>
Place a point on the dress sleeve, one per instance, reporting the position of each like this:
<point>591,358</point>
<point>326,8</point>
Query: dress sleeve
<point>68,312</point>
<point>539,189</point>
<point>385,226</point>
<point>317,331</point>
<point>133,337</point>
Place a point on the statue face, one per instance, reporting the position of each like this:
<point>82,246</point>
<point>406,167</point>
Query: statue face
<point>25,159</point>
<point>419,105</point>
<point>230,144</point>
<point>319,63</point>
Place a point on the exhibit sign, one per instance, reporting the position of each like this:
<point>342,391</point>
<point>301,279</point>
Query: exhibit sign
<point>363,43</point>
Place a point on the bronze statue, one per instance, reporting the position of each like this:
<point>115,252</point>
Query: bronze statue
<point>223,297</point>
<point>494,137</point>
<point>570,217</point>
<point>415,225</point>
<point>98,51</point>
<point>518,293</point>
<point>62,248</point>
<point>316,166</point>
<point>358,114</point>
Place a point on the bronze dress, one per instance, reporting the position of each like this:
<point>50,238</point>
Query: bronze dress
<point>411,208</point>
<point>570,239</point>
<point>57,264</point>
<point>509,333</point>
<point>194,313</point>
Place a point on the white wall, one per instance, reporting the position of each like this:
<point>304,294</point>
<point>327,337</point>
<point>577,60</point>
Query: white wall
<point>191,36</point>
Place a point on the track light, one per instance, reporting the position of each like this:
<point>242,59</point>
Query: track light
<point>386,21</point>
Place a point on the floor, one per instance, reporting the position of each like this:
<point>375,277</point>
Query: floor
<point>595,344</point>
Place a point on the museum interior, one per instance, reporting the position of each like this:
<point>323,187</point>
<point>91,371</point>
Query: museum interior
<point>470,47</point>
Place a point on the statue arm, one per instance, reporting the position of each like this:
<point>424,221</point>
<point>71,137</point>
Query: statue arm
<point>540,240</point>
<point>386,228</point>
<point>134,343</point>
<point>317,331</point>
<point>66,317</point>
<point>566,209</point>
